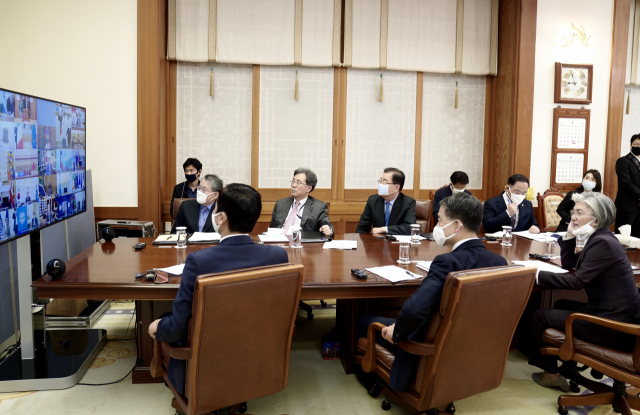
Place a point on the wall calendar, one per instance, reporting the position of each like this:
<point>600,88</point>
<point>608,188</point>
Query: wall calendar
<point>570,147</point>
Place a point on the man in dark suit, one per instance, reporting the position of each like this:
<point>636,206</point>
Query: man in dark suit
<point>628,197</point>
<point>511,208</point>
<point>187,189</point>
<point>458,224</point>
<point>239,209</point>
<point>195,215</point>
<point>300,209</point>
<point>389,211</point>
<point>458,184</point>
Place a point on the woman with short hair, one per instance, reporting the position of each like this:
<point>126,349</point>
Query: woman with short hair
<point>603,270</point>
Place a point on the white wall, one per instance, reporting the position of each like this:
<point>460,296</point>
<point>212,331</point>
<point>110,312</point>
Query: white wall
<point>81,52</point>
<point>554,20</point>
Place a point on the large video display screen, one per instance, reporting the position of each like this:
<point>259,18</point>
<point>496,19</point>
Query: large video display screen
<point>42,163</point>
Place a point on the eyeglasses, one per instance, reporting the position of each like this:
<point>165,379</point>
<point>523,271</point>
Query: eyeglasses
<point>384,182</point>
<point>204,190</point>
<point>579,213</point>
<point>297,183</point>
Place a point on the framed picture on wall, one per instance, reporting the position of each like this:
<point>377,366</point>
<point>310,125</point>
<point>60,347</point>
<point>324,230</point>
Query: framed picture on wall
<point>570,147</point>
<point>573,83</point>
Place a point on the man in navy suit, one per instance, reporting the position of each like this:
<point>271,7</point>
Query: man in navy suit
<point>458,224</point>
<point>458,184</point>
<point>510,208</point>
<point>239,208</point>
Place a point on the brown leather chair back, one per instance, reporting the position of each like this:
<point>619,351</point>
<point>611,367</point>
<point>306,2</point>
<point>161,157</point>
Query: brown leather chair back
<point>176,207</point>
<point>423,214</point>
<point>472,332</point>
<point>547,207</point>
<point>240,335</point>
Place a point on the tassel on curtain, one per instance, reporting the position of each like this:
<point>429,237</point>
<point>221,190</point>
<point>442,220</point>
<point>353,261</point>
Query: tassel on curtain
<point>295,96</point>
<point>211,82</point>
<point>381,97</point>
<point>456,99</point>
<point>628,100</point>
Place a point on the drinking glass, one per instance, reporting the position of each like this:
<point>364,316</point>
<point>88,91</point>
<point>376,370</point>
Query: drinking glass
<point>182,237</point>
<point>550,247</point>
<point>507,236</point>
<point>579,242</point>
<point>415,234</point>
<point>296,237</point>
<point>404,253</point>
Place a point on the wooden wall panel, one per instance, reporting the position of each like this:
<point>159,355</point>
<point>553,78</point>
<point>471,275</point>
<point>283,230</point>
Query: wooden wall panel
<point>616,95</point>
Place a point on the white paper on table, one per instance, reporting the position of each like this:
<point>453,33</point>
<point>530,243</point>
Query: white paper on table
<point>393,273</point>
<point>204,237</point>
<point>274,231</point>
<point>174,270</point>
<point>344,244</point>
<point>273,238</point>
<point>540,237</point>
<point>406,238</point>
<point>542,266</point>
<point>495,234</point>
<point>424,265</point>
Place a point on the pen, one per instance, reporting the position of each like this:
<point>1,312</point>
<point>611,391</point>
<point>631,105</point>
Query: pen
<point>414,276</point>
<point>169,238</point>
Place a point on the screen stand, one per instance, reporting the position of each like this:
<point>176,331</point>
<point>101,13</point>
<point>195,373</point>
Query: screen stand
<point>46,360</point>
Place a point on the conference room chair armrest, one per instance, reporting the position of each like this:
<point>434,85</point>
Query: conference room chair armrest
<point>420,349</point>
<point>176,352</point>
<point>568,348</point>
<point>369,359</point>
<point>156,363</point>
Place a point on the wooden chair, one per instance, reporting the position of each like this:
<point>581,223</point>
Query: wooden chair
<point>423,214</point>
<point>239,339</point>
<point>622,367</point>
<point>547,206</point>
<point>176,207</point>
<point>464,352</point>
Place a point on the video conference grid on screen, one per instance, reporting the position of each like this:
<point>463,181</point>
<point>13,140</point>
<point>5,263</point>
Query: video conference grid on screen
<point>42,163</point>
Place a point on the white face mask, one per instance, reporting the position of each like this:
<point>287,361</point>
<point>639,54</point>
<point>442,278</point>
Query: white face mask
<point>517,199</point>
<point>585,231</point>
<point>454,190</point>
<point>587,185</point>
<point>202,197</point>
<point>383,189</point>
<point>216,227</point>
<point>438,234</point>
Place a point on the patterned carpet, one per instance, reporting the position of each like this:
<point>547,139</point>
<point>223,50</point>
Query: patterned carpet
<point>315,386</point>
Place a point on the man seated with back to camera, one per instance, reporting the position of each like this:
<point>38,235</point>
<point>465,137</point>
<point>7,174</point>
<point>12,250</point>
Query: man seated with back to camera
<point>510,208</point>
<point>458,224</point>
<point>187,189</point>
<point>388,212</point>
<point>195,215</point>
<point>239,208</point>
<point>458,184</point>
<point>301,210</point>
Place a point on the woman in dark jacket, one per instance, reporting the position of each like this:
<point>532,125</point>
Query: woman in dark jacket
<point>591,182</point>
<point>603,270</point>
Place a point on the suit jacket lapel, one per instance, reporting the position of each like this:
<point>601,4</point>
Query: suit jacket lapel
<point>284,212</point>
<point>208,224</point>
<point>635,161</point>
<point>397,205</point>
<point>308,206</point>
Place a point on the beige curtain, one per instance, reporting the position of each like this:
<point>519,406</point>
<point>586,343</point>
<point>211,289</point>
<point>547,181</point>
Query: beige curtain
<point>266,32</point>
<point>633,45</point>
<point>443,36</point>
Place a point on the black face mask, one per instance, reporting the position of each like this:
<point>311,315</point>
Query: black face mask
<point>635,151</point>
<point>190,177</point>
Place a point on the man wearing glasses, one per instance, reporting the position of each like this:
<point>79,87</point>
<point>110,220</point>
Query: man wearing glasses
<point>628,197</point>
<point>300,209</point>
<point>196,214</point>
<point>389,211</point>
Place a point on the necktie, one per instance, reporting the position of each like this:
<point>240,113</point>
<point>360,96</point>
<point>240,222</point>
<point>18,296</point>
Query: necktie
<point>513,221</point>
<point>291,217</point>
<point>203,217</point>
<point>387,213</point>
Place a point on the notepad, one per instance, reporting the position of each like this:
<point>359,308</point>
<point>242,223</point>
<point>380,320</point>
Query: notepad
<point>406,238</point>
<point>204,237</point>
<point>345,244</point>
<point>424,265</point>
<point>270,238</point>
<point>166,240</point>
<point>174,270</point>
<point>542,266</point>
<point>393,273</point>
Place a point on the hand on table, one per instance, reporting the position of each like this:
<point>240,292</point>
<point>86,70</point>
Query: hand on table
<point>153,328</point>
<point>534,230</point>
<point>379,230</point>
<point>387,333</point>
<point>326,230</point>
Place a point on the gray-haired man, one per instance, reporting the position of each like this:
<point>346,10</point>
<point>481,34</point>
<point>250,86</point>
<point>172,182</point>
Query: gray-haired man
<point>300,209</point>
<point>196,214</point>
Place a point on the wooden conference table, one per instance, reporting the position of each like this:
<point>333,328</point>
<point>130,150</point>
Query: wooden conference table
<point>106,271</point>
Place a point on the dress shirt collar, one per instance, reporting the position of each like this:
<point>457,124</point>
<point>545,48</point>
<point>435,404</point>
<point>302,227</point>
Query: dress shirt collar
<point>232,235</point>
<point>457,244</point>
<point>391,202</point>
<point>302,202</point>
